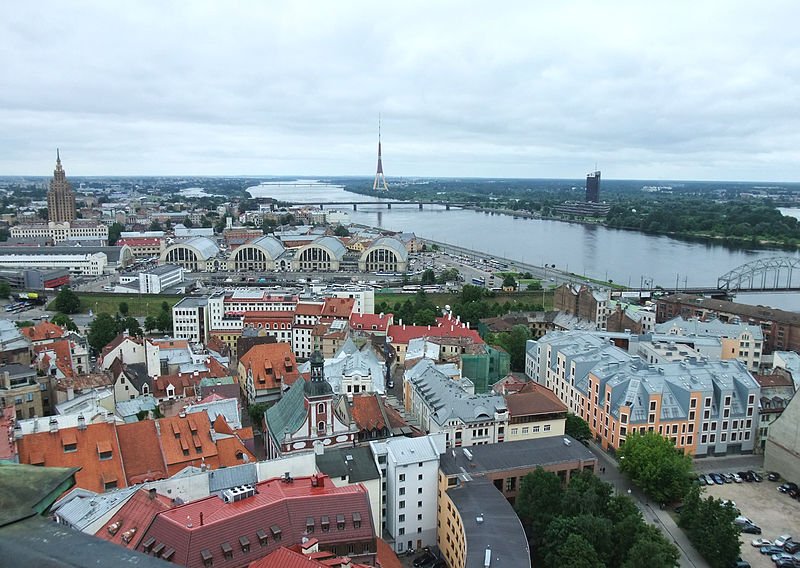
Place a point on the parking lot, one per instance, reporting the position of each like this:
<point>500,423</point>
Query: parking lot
<point>775,512</point>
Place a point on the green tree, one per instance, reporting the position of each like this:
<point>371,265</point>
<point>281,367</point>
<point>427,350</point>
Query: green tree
<point>710,526</point>
<point>514,343</point>
<point>651,549</point>
<point>165,321</point>
<point>5,289</point>
<point>449,275</point>
<point>567,548</point>
<point>64,321</point>
<point>428,277</point>
<point>131,325</point>
<point>509,281</point>
<point>341,231</point>
<point>539,501</point>
<point>470,293</point>
<point>425,316</point>
<point>578,428</point>
<point>102,331</point>
<point>187,222</point>
<point>67,302</point>
<point>156,225</point>
<point>24,323</point>
<point>150,323</point>
<point>114,232</point>
<point>535,285</point>
<point>124,308</point>
<point>256,413</point>
<point>654,465</point>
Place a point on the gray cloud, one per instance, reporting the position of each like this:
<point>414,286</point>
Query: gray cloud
<point>700,90</point>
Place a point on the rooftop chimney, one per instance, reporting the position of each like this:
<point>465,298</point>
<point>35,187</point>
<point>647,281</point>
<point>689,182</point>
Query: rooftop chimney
<point>53,425</point>
<point>81,422</point>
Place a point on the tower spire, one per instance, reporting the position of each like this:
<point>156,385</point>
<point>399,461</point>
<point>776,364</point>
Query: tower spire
<point>58,156</point>
<point>380,179</point>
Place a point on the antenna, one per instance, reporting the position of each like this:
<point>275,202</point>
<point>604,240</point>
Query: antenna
<point>380,179</point>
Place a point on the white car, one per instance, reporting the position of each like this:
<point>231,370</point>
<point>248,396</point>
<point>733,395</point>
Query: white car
<point>759,542</point>
<point>781,540</point>
<point>736,478</point>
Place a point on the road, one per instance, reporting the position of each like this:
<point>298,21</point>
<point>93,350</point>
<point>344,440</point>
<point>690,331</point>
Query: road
<point>653,514</point>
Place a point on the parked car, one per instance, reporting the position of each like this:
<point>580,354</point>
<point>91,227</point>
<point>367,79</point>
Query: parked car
<point>781,540</point>
<point>726,477</point>
<point>426,558</point>
<point>745,475</point>
<point>759,542</point>
<point>736,478</point>
<point>701,479</point>
<point>770,550</point>
<point>781,556</point>
<point>742,564</point>
<point>773,476</point>
<point>726,502</point>
<point>790,562</point>
<point>792,547</point>
<point>750,528</point>
<point>787,486</point>
<point>757,478</point>
<point>717,478</point>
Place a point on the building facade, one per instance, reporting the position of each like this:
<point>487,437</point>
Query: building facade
<point>60,197</point>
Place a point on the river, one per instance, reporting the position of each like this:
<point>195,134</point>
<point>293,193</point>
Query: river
<point>626,257</point>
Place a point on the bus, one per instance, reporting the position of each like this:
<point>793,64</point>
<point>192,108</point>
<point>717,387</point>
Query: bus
<point>479,281</point>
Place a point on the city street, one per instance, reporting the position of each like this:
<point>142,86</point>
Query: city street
<point>651,511</point>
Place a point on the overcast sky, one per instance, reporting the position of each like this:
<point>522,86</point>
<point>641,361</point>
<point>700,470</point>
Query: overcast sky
<point>647,90</point>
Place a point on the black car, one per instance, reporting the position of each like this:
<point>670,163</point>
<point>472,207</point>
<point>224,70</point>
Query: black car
<point>773,476</point>
<point>757,478</point>
<point>745,475</point>
<point>751,529</point>
<point>424,559</point>
<point>792,547</point>
<point>786,487</point>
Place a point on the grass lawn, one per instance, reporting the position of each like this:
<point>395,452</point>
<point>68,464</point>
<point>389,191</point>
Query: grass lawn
<point>441,300</point>
<point>138,305</point>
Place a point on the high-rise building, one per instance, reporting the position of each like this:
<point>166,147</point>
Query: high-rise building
<point>593,187</point>
<point>60,198</point>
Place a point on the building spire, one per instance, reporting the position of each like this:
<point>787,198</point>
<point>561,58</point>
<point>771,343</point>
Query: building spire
<point>58,156</point>
<point>380,179</point>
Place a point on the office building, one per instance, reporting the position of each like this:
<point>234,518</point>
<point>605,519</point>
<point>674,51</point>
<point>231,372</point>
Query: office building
<point>593,187</point>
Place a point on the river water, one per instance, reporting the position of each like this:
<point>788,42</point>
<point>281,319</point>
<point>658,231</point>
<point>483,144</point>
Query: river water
<point>626,257</point>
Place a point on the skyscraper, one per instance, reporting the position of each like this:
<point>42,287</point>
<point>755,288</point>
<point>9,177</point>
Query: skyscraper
<point>60,198</point>
<point>593,187</point>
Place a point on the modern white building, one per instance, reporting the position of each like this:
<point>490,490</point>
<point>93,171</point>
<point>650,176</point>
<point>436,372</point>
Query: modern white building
<point>78,263</point>
<point>60,232</point>
<point>409,469</point>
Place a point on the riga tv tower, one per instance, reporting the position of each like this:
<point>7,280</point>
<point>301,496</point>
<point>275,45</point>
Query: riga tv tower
<point>380,180</point>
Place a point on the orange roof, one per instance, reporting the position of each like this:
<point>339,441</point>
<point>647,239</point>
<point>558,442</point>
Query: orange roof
<point>290,558</point>
<point>231,451</point>
<point>533,398</point>
<point>221,426</point>
<point>366,412</point>
<point>308,309</point>
<point>43,331</point>
<point>61,350</point>
<point>446,328</point>
<point>170,343</point>
<point>338,308</point>
<point>186,441</point>
<point>269,362</point>
<point>129,523</point>
<point>386,556</point>
<point>71,447</point>
<point>138,442</point>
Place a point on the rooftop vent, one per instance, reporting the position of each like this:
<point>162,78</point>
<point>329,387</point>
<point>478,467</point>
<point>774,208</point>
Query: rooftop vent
<point>567,442</point>
<point>479,519</point>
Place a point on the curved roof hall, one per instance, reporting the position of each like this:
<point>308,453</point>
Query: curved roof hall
<point>205,247</point>
<point>390,243</point>
<point>331,244</point>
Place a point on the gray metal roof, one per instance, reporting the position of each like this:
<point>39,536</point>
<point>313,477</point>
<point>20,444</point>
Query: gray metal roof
<point>490,523</point>
<point>714,328</point>
<point>514,455</point>
<point>227,477</point>
<point>412,450</point>
<point>357,464</point>
<point>390,243</point>
<point>80,507</point>
<point>112,253</point>
<point>271,246</point>
<point>331,244</point>
<point>205,247</point>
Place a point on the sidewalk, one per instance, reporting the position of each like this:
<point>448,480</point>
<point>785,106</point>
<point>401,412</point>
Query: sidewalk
<point>653,514</point>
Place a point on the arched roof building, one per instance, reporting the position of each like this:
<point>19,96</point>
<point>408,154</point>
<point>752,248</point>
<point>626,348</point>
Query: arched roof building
<point>386,254</point>
<point>323,254</point>
<point>258,255</point>
<point>197,254</point>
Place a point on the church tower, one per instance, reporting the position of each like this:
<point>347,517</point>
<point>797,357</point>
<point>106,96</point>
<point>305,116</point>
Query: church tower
<point>60,197</point>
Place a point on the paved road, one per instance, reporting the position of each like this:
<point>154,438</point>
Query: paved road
<point>652,513</point>
<point>729,464</point>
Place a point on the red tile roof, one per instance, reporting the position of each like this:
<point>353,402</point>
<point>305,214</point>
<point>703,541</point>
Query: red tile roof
<point>308,309</point>
<point>186,441</point>
<point>371,322</point>
<point>368,412</point>
<point>211,525</point>
<point>386,556</point>
<point>533,399</point>
<point>141,452</point>
<point>774,380</point>
<point>139,241</point>
<point>116,342</point>
<point>61,351</point>
<point>231,451</point>
<point>269,362</point>
<point>338,308</point>
<point>128,525</point>
<point>52,450</point>
<point>43,331</point>
<point>446,327</point>
<point>287,558</point>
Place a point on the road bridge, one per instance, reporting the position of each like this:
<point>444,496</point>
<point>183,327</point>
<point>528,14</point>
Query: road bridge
<point>389,204</point>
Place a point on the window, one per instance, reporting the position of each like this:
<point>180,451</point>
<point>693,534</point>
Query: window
<point>69,448</point>
<point>402,491</point>
<point>547,427</point>
<point>321,426</point>
<point>325,523</point>
<point>419,517</point>
<point>340,522</point>
<point>401,531</point>
<point>402,505</point>
<point>419,477</point>
<point>419,490</point>
<point>244,542</point>
<point>402,477</point>
<point>525,430</point>
<point>208,560</point>
<point>105,455</point>
<point>310,525</point>
<point>276,532</point>
<point>321,408</point>
<point>401,518</point>
<point>652,405</point>
<point>419,504</point>
<point>262,537</point>
<point>227,550</point>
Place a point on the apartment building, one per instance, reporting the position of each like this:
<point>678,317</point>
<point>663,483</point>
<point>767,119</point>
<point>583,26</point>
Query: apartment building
<point>409,469</point>
<point>705,407</point>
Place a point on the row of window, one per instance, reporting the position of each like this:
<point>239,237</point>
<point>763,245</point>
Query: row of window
<point>531,429</point>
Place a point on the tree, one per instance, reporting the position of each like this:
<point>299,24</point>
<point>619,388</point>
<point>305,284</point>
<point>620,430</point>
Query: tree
<point>425,316</point>
<point>187,222</point>
<point>132,326</point>
<point>156,225</point>
<point>710,526</point>
<point>114,232</point>
<point>535,285</point>
<point>514,343</point>
<point>654,465</point>
<point>165,321</point>
<point>150,323</point>
<point>651,549</point>
<point>578,428</point>
<point>341,231</point>
<point>449,275</point>
<point>256,413</point>
<point>64,321</point>
<point>428,277</point>
<point>509,281</point>
<point>67,302</point>
<point>539,501</point>
<point>5,289</point>
<point>123,308</point>
<point>24,323</point>
<point>102,331</point>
